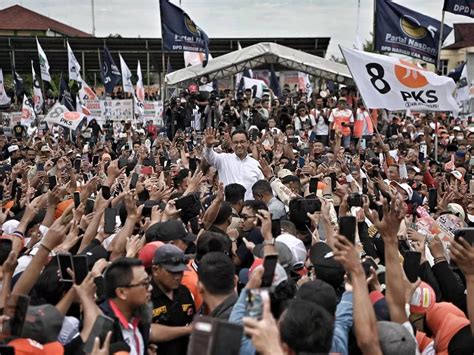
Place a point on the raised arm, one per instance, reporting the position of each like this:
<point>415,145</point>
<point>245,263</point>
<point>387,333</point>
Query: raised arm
<point>209,154</point>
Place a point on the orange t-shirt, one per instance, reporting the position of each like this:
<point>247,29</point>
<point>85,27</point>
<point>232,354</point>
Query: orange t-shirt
<point>190,280</point>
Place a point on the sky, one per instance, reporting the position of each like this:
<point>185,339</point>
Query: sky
<point>228,18</point>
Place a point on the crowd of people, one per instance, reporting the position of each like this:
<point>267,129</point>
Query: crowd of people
<point>365,213</point>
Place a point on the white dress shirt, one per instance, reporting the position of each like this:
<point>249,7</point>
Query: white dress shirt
<point>232,169</point>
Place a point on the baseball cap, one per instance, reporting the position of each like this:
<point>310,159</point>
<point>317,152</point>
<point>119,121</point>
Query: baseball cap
<point>147,252</point>
<point>42,323</point>
<point>320,293</point>
<point>45,148</point>
<point>285,255</point>
<point>296,247</point>
<point>342,98</point>
<point>457,210</point>
<point>284,173</point>
<point>279,276</point>
<point>394,338</point>
<point>326,268</point>
<point>422,299</point>
<point>171,258</point>
<point>168,231</point>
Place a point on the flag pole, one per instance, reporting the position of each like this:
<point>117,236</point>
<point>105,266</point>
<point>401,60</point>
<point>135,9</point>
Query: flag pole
<point>374,32</point>
<point>440,44</point>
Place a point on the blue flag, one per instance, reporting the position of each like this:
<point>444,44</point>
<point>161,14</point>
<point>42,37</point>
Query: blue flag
<point>404,31</point>
<point>110,73</point>
<point>274,83</point>
<point>179,33</point>
<point>65,96</point>
<point>459,7</point>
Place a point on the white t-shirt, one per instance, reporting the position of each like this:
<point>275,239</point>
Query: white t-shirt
<point>321,127</point>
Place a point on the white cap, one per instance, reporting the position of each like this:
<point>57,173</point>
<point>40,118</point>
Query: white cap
<point>296,246</point>
<point>13,148</point>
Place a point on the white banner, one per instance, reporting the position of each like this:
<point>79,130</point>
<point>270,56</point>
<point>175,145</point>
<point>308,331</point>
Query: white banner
<point>60,115</point>
<point>44,65</point>
<point>114,110</point>
<point>74,67</point>
<point>394,84</point>
<point>153,111</point>
<point>4,99</point>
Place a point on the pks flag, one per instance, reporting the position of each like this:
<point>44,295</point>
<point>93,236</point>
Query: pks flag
<point>126,76</point>
<point>139,93</point>
<point>258,86</point>
<point>37,93</point>
<point>110,72</point>
<point>194,58</point>
<point>80,107</point>
<point>462,87</point>
<point>44,64</point>
<point>404,31</point>
<point>4,99</point>
<point>86,92</point>
<point>179,33</point>
<point>274,83</point>
<point>74,67</point>
<point>304,83</point>
<point>60,115</point>
<point>459,7</point>
<point>395,84</point>
<point>27,112</point>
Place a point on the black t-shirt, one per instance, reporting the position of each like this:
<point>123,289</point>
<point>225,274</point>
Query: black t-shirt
<point>175,313</point>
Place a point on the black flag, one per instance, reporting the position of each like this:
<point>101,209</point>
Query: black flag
<point>110,73</point>
<point>65,96</point>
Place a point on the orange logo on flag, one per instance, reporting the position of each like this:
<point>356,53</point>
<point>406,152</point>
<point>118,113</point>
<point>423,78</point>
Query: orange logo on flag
<point>411,78</point>
<point>72,116</point>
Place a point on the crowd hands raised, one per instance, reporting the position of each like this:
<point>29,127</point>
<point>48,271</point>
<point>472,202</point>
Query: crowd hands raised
<point>365,221</point>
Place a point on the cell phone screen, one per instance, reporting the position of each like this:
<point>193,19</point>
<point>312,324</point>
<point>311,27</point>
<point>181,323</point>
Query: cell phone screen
<point>77,199</point>
<point>365,188</point>
<point>40,167</point>
<point>16,307</point>
<point>77,165</point>
<point>313,185</point>
<point>433,200</point>
<point>185,201</point>
<point>89,206</point>
<point>109,220</point>
<point>65,262</point>
<point>101,327</point>
<point>466,233</point>
<point>269,265</point>
<point>81,268</point>
<point>411,265</point>
<point>105,192</point>
<point>53,181</point>
<point>347,227</point>
<point>146,211</point>
<point>333,181</point>
<point>134,181</point>
<point>95,160</point>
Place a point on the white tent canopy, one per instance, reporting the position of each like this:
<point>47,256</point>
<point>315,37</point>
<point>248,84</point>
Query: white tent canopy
<point>260,54</point>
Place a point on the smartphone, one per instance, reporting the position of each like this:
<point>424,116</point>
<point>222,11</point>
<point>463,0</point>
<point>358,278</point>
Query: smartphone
<point>52,181</point>
<point>77,165</point>
<point>18,193</point>
<point>77,199</point>
<point>64,263</point>
<point>105,192</point>
<point>332,134</point>
<point>81,268</point>
<point>466,233</point>
<point>7,350</point>
<point>333,181</point>
<point>39,167</point>
<point>365,187</point>
<point>293,140</point>
<point>95,160</point>
<point>347,227</point>
<point>89,206</point>
<point>185,202</point>
<point>146,211</point>
<point>301,161</point>
<point>1,192</point>
<point>310,205</point>
<point>432,199</point>
<point>85,178</point>
<point>147,170</point>
<point>101,327</point>
<point>16,307</point>
<point>134,181</point>
<point>313,185</point>
<point>269,265</point>
<point>411,265</point>
<point>363,143</point>
<point>109,220</point>
<point>254,305</point>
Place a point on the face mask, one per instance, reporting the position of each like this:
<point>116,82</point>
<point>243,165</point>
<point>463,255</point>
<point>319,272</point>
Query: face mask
<point>470,217</point>
<point>459,137</point>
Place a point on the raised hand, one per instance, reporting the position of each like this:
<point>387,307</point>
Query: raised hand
<point>210,137</point>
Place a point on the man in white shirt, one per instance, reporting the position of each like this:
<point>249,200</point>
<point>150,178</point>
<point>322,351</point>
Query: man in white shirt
<point>237,167</point>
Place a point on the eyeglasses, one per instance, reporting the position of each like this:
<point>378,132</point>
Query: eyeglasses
<point>245,217</point>
<point>144,284</point>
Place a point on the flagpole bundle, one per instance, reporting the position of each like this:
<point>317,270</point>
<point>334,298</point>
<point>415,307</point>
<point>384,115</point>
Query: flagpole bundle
<point>440,45</point>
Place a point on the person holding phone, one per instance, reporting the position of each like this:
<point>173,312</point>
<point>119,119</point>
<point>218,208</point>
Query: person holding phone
<point>173,305</point>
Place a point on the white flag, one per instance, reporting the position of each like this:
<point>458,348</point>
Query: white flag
<point>81,107</point>
<point>4,99</point>
<point>85,92</point>
<point>194,58</point>
<point>126,76</point>
<point>304,83</point>
<point>60,115</point>
<point>394,84</point>
<point>27,112</point>
<point>257,86</point>
<point>44,65</point>
<point>139,93</point>
<point>37,93</point>
<point>73,65</point>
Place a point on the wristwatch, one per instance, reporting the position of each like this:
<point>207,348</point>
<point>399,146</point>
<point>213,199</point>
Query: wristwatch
<point>269,242</point>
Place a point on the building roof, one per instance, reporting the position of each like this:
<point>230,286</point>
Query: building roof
<point>463,36</point>
<point>19,18</point>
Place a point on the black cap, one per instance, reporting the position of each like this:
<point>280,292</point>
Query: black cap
<point>171,258</point>
<point>326,268</point>
<point>168,231</point>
